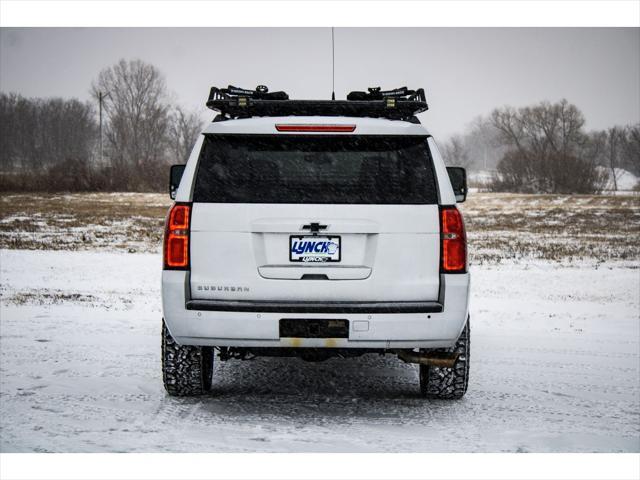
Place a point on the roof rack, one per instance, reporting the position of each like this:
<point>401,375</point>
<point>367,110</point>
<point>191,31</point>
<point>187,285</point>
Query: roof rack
<point>398,104</point>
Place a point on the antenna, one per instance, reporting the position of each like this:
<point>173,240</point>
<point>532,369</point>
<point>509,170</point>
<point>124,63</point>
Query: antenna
<point>333,67</point>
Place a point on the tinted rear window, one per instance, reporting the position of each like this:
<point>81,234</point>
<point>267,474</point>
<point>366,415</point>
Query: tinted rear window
<point>315,169</point>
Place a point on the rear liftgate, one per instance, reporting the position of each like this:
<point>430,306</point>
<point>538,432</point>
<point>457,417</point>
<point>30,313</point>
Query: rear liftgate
<point>398,104</point>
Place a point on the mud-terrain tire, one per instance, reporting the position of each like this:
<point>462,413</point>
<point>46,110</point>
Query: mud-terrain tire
<point>186,369</point>
<point>449,383</point>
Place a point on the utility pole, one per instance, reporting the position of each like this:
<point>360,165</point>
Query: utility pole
<point>101,98</point>
<point>100,109</point>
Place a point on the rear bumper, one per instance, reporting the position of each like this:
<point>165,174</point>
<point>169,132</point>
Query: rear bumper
<point>313,307</point>
<point>371,324</point>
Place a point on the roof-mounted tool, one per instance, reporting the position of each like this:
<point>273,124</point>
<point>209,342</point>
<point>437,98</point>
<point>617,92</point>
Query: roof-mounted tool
<point>398,104</point>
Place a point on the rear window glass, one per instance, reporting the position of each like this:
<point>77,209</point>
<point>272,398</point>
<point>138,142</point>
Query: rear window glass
<point>315,169</point>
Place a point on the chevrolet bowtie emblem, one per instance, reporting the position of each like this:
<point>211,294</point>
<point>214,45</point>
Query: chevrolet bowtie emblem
<point>314,227</point>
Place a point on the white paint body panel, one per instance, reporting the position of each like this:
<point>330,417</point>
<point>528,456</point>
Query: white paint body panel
<point>261,329</point>
<point>233,245</point>
<point>364,126</point>
<point>390,253</point>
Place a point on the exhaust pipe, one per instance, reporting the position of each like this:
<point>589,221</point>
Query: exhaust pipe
<point>435,359</point>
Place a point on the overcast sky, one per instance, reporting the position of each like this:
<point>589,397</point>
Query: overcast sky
<point>465,71</point>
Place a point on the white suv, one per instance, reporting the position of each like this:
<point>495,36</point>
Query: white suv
<point>316,229</point>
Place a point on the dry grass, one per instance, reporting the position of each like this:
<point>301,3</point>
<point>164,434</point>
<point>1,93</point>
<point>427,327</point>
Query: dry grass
<point>42,297</point>
<point>111,221</point>
<point>511,227</point>
<point>501,227</point>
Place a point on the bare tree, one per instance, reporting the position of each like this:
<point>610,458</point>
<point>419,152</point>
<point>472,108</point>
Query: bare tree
<point>630,149</point>
<point>51,144</point>
<point>482,142</point>
<point>184,128</point>
<point>541,130</point>
<point>41,137</point>
<point>548,150</point>
<point>477,148</point>
<point>137,111</point>
<point>8,132</point>
<point>615,137</point>
<point>455,153</point>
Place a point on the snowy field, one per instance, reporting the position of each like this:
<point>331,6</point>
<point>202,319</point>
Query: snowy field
<point>502,227</point>
<point>555,361</point>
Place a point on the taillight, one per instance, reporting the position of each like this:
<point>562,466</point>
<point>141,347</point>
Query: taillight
<point>176,237</point>
<point>453,241</point>
<point>305,127</point>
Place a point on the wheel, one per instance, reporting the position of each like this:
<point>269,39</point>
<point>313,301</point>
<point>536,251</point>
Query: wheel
<point>449,383</point>
<point>186,369</point>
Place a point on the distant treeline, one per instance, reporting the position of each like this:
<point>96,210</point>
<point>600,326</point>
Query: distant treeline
<point>544,148</point>
<point>54,144</point>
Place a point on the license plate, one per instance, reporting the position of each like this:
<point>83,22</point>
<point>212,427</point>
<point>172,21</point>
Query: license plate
<point>314,248</point>
<point>313,328</point>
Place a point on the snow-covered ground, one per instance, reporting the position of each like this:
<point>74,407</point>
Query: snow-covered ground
<point>624,179</point>
<point>555,367</point>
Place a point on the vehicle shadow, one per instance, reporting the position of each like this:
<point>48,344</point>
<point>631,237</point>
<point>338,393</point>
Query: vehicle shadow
<point>369,374</point>
<point>369,387</point>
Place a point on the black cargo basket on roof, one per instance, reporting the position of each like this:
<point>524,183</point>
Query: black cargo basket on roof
<point>397,104</point>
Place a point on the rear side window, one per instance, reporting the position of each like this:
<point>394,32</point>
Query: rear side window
<point>315,169</point>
